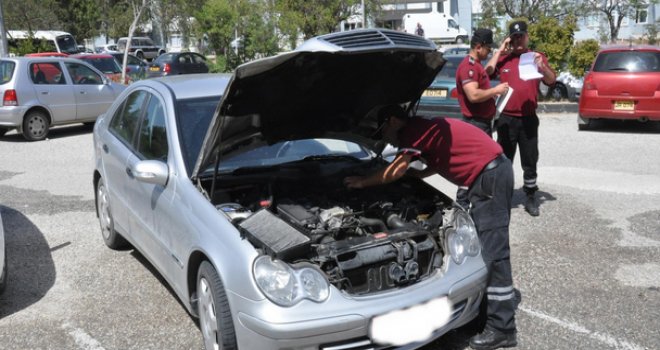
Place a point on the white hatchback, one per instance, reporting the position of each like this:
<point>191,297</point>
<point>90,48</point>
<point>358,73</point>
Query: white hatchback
<point>39,92</point>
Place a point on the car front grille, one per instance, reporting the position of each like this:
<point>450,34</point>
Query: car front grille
<point>375,38</point>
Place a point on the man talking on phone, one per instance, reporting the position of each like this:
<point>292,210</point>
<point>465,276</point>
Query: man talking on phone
<point>518,123</point>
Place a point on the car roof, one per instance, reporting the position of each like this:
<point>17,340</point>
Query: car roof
<point>615,48</point>
<point>92,55</point>
<point>187,86</point>
<point>41,59</point>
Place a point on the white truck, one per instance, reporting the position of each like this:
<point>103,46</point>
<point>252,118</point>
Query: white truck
<point>438,27</point>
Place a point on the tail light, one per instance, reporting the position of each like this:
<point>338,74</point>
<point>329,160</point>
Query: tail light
<point>454,93</point>
<point>589,83</point>
<point>10,99</point>
<point>166,68</point>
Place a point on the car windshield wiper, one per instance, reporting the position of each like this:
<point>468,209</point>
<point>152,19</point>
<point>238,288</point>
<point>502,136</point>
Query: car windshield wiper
<point>322,157</point>
<point>619,69</point>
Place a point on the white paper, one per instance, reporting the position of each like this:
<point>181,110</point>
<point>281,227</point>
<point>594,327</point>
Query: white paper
<point>528,68</point>
<point>503,99</point>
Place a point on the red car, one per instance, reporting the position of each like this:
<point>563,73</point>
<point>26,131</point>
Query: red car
<point>106,64</point>
<point>624,84</point>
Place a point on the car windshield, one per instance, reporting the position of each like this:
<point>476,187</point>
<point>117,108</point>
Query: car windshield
<point>105,65</point>
<point>6,71</point>
<point>628,61</point>
<point>293,151</point>
<point>449,69</point>
<point>193,118</point>
<point>168,57</point>
<point>67,44</point>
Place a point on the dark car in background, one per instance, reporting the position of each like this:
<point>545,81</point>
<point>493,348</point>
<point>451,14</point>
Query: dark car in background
<point>441,97</point>
<point>174,63</point>
<point>135,67</point>
<point>623,83</point>
<point>106,64</point>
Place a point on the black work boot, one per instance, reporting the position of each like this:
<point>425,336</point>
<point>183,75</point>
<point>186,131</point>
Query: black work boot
<point>493,339</point>
<point>532,205</point>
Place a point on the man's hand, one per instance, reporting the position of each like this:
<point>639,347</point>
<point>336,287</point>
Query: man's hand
<point>501,89</point>
<point>354,182</point>
<point>506,45</point>
<point>538,59</point>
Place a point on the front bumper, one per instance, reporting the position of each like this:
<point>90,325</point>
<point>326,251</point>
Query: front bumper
<point>343,321</point>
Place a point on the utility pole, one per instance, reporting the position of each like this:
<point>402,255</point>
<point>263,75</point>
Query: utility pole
<point>3,35</point>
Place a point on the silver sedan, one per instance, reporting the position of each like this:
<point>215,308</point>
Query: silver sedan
<point>232,187</point>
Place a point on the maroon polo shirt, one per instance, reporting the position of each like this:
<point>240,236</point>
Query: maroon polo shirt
<point>523,101</point>
<point>471,70</point>
<point>458,151</point>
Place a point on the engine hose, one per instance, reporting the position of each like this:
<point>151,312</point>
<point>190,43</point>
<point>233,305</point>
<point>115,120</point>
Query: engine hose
<point>377,223</point>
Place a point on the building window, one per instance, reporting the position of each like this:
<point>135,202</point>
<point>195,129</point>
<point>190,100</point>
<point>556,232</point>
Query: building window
<point>641,14</point>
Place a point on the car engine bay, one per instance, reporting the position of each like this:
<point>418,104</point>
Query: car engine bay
<point>364,241</point>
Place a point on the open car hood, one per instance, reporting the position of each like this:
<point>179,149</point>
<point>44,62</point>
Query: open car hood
<point>331,86</point>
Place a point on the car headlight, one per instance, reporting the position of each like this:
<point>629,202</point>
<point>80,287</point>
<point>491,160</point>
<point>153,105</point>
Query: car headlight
<point>285,285</point>
<point>462,237</point>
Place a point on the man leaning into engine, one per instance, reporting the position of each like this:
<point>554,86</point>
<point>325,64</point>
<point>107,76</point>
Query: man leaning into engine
<point>466,156</point>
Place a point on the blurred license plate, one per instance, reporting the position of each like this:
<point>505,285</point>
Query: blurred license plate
<point>418,321</point>
<point>624,105</point>
<point>435,93</point>
<point>154,69</point>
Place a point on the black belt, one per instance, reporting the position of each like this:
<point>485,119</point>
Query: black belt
<point>478,119</point>
<point>495,162</point>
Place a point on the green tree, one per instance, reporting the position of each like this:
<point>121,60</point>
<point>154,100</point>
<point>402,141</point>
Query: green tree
<point>652,33</point>
<point>81,18</point>
<point>582,54</point>
<point>615,11</point>
<point>312,18</point>
<point>554,38</point>
<point>30,15</point>
<point>530,9</point>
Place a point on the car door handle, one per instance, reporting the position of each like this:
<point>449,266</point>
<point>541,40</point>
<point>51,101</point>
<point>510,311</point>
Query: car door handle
<point>44,92</point>
<point>105,148</point>
<point>83,92</point>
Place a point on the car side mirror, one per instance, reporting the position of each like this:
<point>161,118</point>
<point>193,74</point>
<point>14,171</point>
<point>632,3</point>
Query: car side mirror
<point>151,171</point>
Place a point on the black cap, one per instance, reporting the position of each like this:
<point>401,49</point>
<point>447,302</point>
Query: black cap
<point>517,27</point>
<point>482,36</point>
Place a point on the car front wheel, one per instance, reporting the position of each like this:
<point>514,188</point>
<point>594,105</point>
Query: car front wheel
<point>36,126</point>
<point>558,92</point>
<point>215,319</point>
<point>111,238</point>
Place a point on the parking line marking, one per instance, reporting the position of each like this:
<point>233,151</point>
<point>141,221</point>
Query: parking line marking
<point>601,337</point>
<point>82,339</point>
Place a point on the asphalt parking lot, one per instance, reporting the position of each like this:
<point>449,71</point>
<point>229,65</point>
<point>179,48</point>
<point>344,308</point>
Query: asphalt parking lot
<point>588,269</point>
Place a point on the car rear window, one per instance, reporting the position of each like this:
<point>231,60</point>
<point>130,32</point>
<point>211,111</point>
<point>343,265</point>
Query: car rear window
<point>628,61</point>
<point>105,65</point>
<point>6,71</point>
<point>168,57</point>
<point>449,69</point>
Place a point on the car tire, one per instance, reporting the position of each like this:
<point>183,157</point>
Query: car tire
<point>36,125</point>
<point>461,39</point>
<point>139,55</point>
<point>3,276</point>
<point>3,131</point>
<point>558,92</point>
<point>111,238</point>
<point>584,123</point>
<point>215,320</point>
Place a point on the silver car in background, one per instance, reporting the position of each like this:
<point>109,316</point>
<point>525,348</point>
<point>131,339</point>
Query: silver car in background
<point>232,187</point>
<point>3,257</point>
<point>40,92</point>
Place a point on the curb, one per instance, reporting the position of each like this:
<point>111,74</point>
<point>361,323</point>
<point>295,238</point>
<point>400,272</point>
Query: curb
<point>557,108</point>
